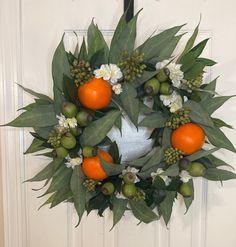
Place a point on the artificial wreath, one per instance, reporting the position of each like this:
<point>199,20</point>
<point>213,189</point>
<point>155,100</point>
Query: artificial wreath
<point>94,87</point>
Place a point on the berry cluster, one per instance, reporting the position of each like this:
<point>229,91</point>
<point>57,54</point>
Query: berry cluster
<point>55,136</point>
<point>178,118</point>
<point>81,71</point>
<point>132,65</point>
<point>194,83</point>
<point>172,155</point>
<point>90,184</point>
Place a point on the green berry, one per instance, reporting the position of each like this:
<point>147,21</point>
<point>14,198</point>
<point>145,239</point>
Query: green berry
<point>186,190</point>
<point>68,141</point>
<point>183,164</point>
<point>152,86</point>
<point>129,190</point>
<point>129,178</point>
<point>166,88</point>
<point>83,118</point>
<point>163,75</point>
<point>89,151</point>
<point>61,152</point>
<point>196,169</point>
<point>108,188</point>
<point>69,110</point>
<point>75,131</point>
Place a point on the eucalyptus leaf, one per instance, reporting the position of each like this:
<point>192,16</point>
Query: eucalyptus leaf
<point>83,54</point>
<point>77,188</point>
<point>130,102</point>
<point>198,49</point>
<point>155,159</point>
<point>166,138</point>
<point>201,154</point>
<point>60,67</point>
<point>97,130</point>
<point>60,196</point>
<point>220,123</point>
<point>188,200</point>
<point>166,205</point>
<point>172,171</point>
<point>111,169</point>
<point>119,207</point>
<point>198,114</point>
<point>215,174</point>
<point>69,89</point>
<point>142,212</point>
<point>146,75</point>
<point>40,116</point>
<point>218,138</point>
<point>154,120</point>
<point>35,146</point>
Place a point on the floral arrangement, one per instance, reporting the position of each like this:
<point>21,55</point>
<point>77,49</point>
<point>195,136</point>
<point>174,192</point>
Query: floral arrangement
<point>94,87</point>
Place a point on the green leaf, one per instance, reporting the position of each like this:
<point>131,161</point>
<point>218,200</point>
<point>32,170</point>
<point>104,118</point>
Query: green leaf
<point>78,190</point>
<point>69,89</point>
<point>166,205</point>
<point>47,172</point>
<point>111,169</point>
<point>201,154</point>
<point>83,55</point>
<point>215,174</point>
<point>61,196</point>
<point>155,159</point>
<point>141,161</point>
<point>35,146</point>
<point>189,44</point>
<point>114,152</point>
<point>119,207</point>
<point>171,171</point>
<point>188,200</point>
<point>220,123</point>
<point>40,116</point>
<point>166,138</point>
<point>196,69</point>
<point>154,120</point>
<point>130,102</point>
<point>198,114</point>
<point>97,43</point>
<point>218,138</point>
<point>142,212</point>
<point>217,162</point>
<point>97,130</point>
<point>38,95</point>
<point>43,131</point>
<point>212,104</point>
<point>198,49</point>
<point>211,86</point>
<point>153,47</point>
<point>123,38</point>
<point>60,67</point>
<point>144,77</point>
<point>206,61</point>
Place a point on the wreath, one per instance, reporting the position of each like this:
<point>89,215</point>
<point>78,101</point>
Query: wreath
<point>94,88</point>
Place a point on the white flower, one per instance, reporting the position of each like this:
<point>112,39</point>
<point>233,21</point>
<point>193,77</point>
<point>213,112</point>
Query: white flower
<point>132,170</point>
<point>66,122</point>
<point>117,88</point>
<point>72,162</point>
<point>120,196</point>
<point>115,73</point>
<point>177,104</point>
<point>109,72</point>
<point>103,72</point>
<point>184,176</point>
<point>161,65</point>
<point>168,99</point>
<point>158,172</point>
<point>176,75</point>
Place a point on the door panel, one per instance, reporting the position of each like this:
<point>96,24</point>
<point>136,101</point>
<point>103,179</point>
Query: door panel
<point>31,31</point>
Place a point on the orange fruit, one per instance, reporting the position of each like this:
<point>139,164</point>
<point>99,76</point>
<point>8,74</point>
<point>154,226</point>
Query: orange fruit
<point>92,167</point>
<point>189,138</point>
<point>95,94</point>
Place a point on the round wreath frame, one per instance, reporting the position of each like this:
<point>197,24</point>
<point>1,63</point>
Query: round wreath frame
<point>156,189</point>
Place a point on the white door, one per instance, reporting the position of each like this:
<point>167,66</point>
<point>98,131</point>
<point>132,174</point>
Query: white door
<point>29,33</point>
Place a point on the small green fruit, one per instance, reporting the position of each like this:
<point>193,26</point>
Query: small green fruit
<point>196,169</point>
<point>69,110</point>
<point>129,190</point>
<point>61,152</point>
<point>89,151</point>
<point>129,178</point>
<point>166,88</point>
<point>152,86</point>
<point>183,164</point>
<point>108,188</point>
<point>186,190</point>
<point>75,131</point>
<point>83,118</point>
<point>68,141</point>
<point>163,75</point>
